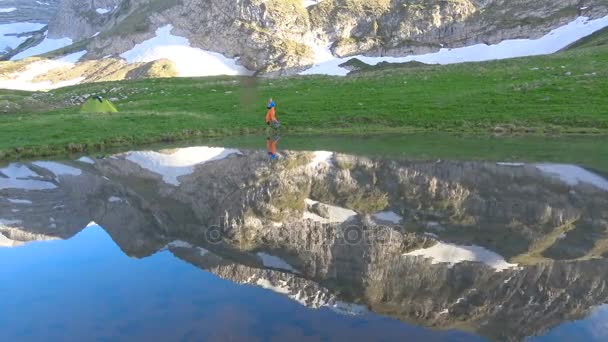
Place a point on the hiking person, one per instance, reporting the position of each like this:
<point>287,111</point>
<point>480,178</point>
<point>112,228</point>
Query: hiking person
<point>271,114</point>
<point>271,146</point>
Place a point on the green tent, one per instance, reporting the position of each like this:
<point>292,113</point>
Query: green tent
<point>97,104</point>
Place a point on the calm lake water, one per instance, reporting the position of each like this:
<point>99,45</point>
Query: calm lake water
<point>397,238</point>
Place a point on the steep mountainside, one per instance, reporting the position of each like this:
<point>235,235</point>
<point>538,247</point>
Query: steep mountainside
<point>272,37</point>
<point>269,34</point>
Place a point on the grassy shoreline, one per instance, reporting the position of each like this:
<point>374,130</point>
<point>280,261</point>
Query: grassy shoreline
<point>191,136</point>
<point>581,150</point>
<point>561,94</point>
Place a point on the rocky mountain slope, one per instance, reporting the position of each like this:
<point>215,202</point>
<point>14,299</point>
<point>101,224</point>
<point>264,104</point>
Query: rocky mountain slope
<point>505,250</point>
<point>284,37</point>
<point>274,35</point>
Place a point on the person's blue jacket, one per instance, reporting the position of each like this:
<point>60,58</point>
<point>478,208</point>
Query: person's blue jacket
<point>271,105</point>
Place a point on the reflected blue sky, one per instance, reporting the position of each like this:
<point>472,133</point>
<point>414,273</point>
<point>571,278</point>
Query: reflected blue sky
<point>85,288</point>
<point>592,328</point>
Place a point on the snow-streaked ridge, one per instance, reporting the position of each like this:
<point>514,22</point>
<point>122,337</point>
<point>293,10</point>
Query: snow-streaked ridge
<point>554,41</point>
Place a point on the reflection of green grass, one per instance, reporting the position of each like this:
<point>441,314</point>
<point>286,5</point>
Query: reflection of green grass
<point>587,151</point>
<point>562,93</point>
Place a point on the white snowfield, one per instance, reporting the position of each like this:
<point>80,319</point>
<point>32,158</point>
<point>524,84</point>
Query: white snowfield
<point>275,262</point>
<point>453,254</point>
<point>25,80</point>
<point>47,45</point>
<point>573,175</point>
<point>8,10</point>
<point>9,32</point>
<point>552,42</point>
<point>58,169</point>
<point>190,61</point>
<point>18,176</point>
<point>179,163</point>
<point>388,216</point>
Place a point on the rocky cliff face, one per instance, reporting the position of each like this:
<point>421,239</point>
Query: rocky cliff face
<point>345,228</point>
<point>81,19</point>
<point>272,35</point>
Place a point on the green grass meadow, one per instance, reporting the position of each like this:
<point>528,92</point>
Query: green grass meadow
<point>561,94</point>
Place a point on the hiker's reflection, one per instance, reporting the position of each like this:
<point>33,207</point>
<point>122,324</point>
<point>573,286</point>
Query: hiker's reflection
<point>271,146</point>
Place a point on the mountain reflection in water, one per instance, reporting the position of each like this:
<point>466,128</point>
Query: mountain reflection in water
<point>328,246</point>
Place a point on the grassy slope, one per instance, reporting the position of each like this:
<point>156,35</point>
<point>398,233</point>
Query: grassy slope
<point>565,92</point>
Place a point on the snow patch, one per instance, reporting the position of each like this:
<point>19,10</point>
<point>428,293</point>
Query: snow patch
<point>282,289</point>
<point>349,309</point>
<point>336,214</point>
<point>86,160</point>
<point>190,61</point>
<point>18,201</point>
<point>452,254</point>
<point>552,42</point>
<point>8,10</point>
<point>179,244</point>
<point>47,45</point>
<point>321,158</point>
<point>275,262</point>
<point>114,199</point>
<point>388,216</point>
<point>573,175</point>
<point>308,3</point>
<point>202,251</point>
<point>103,10</point>
<point>20,177</point>
<point>58,169</point>
<point>179,163</point>
<point>510,164</point>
